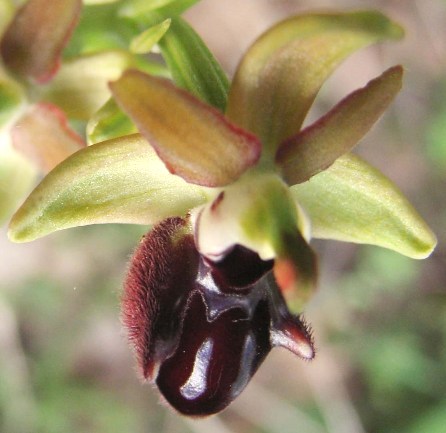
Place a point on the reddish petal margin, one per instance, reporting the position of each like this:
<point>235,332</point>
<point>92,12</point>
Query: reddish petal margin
<point>33,42</point>
<point>194,140</point>
<point>322,143</point>
<point>44,136</point>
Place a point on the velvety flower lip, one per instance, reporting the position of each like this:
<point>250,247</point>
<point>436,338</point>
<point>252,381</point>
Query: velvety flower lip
<point>199,330</point>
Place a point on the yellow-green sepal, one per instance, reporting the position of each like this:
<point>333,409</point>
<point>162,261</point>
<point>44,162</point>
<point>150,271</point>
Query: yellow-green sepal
<point>354,202</point>
<point>281,73</point>
<point>117,181</point>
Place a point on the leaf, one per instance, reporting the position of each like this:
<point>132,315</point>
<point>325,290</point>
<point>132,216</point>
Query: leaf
<point>43,136</point>
<point>33,42</point>
<point>193,66</point>
<point>145,41</point>
<point>318,146</point>
<point>16,179</point>
<point>109,122</point>
<point>280,75</point>
<point>354,202</point>
<point>194,140</point>
<point>81,86</point>
<point>118,181</point>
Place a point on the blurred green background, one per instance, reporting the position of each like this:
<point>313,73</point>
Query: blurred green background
<point>379,319</point>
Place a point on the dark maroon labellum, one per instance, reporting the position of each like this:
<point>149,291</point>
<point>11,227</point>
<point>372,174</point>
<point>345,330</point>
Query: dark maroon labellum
<point>201,329</point>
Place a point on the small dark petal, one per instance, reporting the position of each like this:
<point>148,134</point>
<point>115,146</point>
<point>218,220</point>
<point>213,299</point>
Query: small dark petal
<point>161,275</point>
<point>239,269</point>
<point>293,334</point>
<point>215,359</point>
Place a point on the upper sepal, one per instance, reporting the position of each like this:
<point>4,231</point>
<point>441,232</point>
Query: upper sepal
<point>280,75</point>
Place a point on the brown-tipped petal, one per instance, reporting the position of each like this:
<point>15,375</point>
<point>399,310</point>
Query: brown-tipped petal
<point>293,334</point>
<point>318,146</point>
<point>34,40</point>
<point>194,140</point>
<point>44,136</point>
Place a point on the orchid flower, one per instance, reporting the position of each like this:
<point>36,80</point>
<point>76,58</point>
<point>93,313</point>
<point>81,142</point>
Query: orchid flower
<point>40,92</point>
<point>235,192</point>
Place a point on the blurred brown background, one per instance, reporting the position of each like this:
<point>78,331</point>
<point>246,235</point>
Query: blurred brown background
<point>379,319</point>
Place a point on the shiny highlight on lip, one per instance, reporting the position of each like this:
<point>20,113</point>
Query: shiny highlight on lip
<point>201,329</point>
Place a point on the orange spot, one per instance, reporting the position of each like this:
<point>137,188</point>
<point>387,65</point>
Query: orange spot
<point>285,274</point>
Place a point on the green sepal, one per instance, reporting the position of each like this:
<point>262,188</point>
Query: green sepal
<point>118,181</point>
<point>281,73</point>
<point>354,202</point>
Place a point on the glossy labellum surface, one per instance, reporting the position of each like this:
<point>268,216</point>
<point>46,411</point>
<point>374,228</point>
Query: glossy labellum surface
<point>201,329</point>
